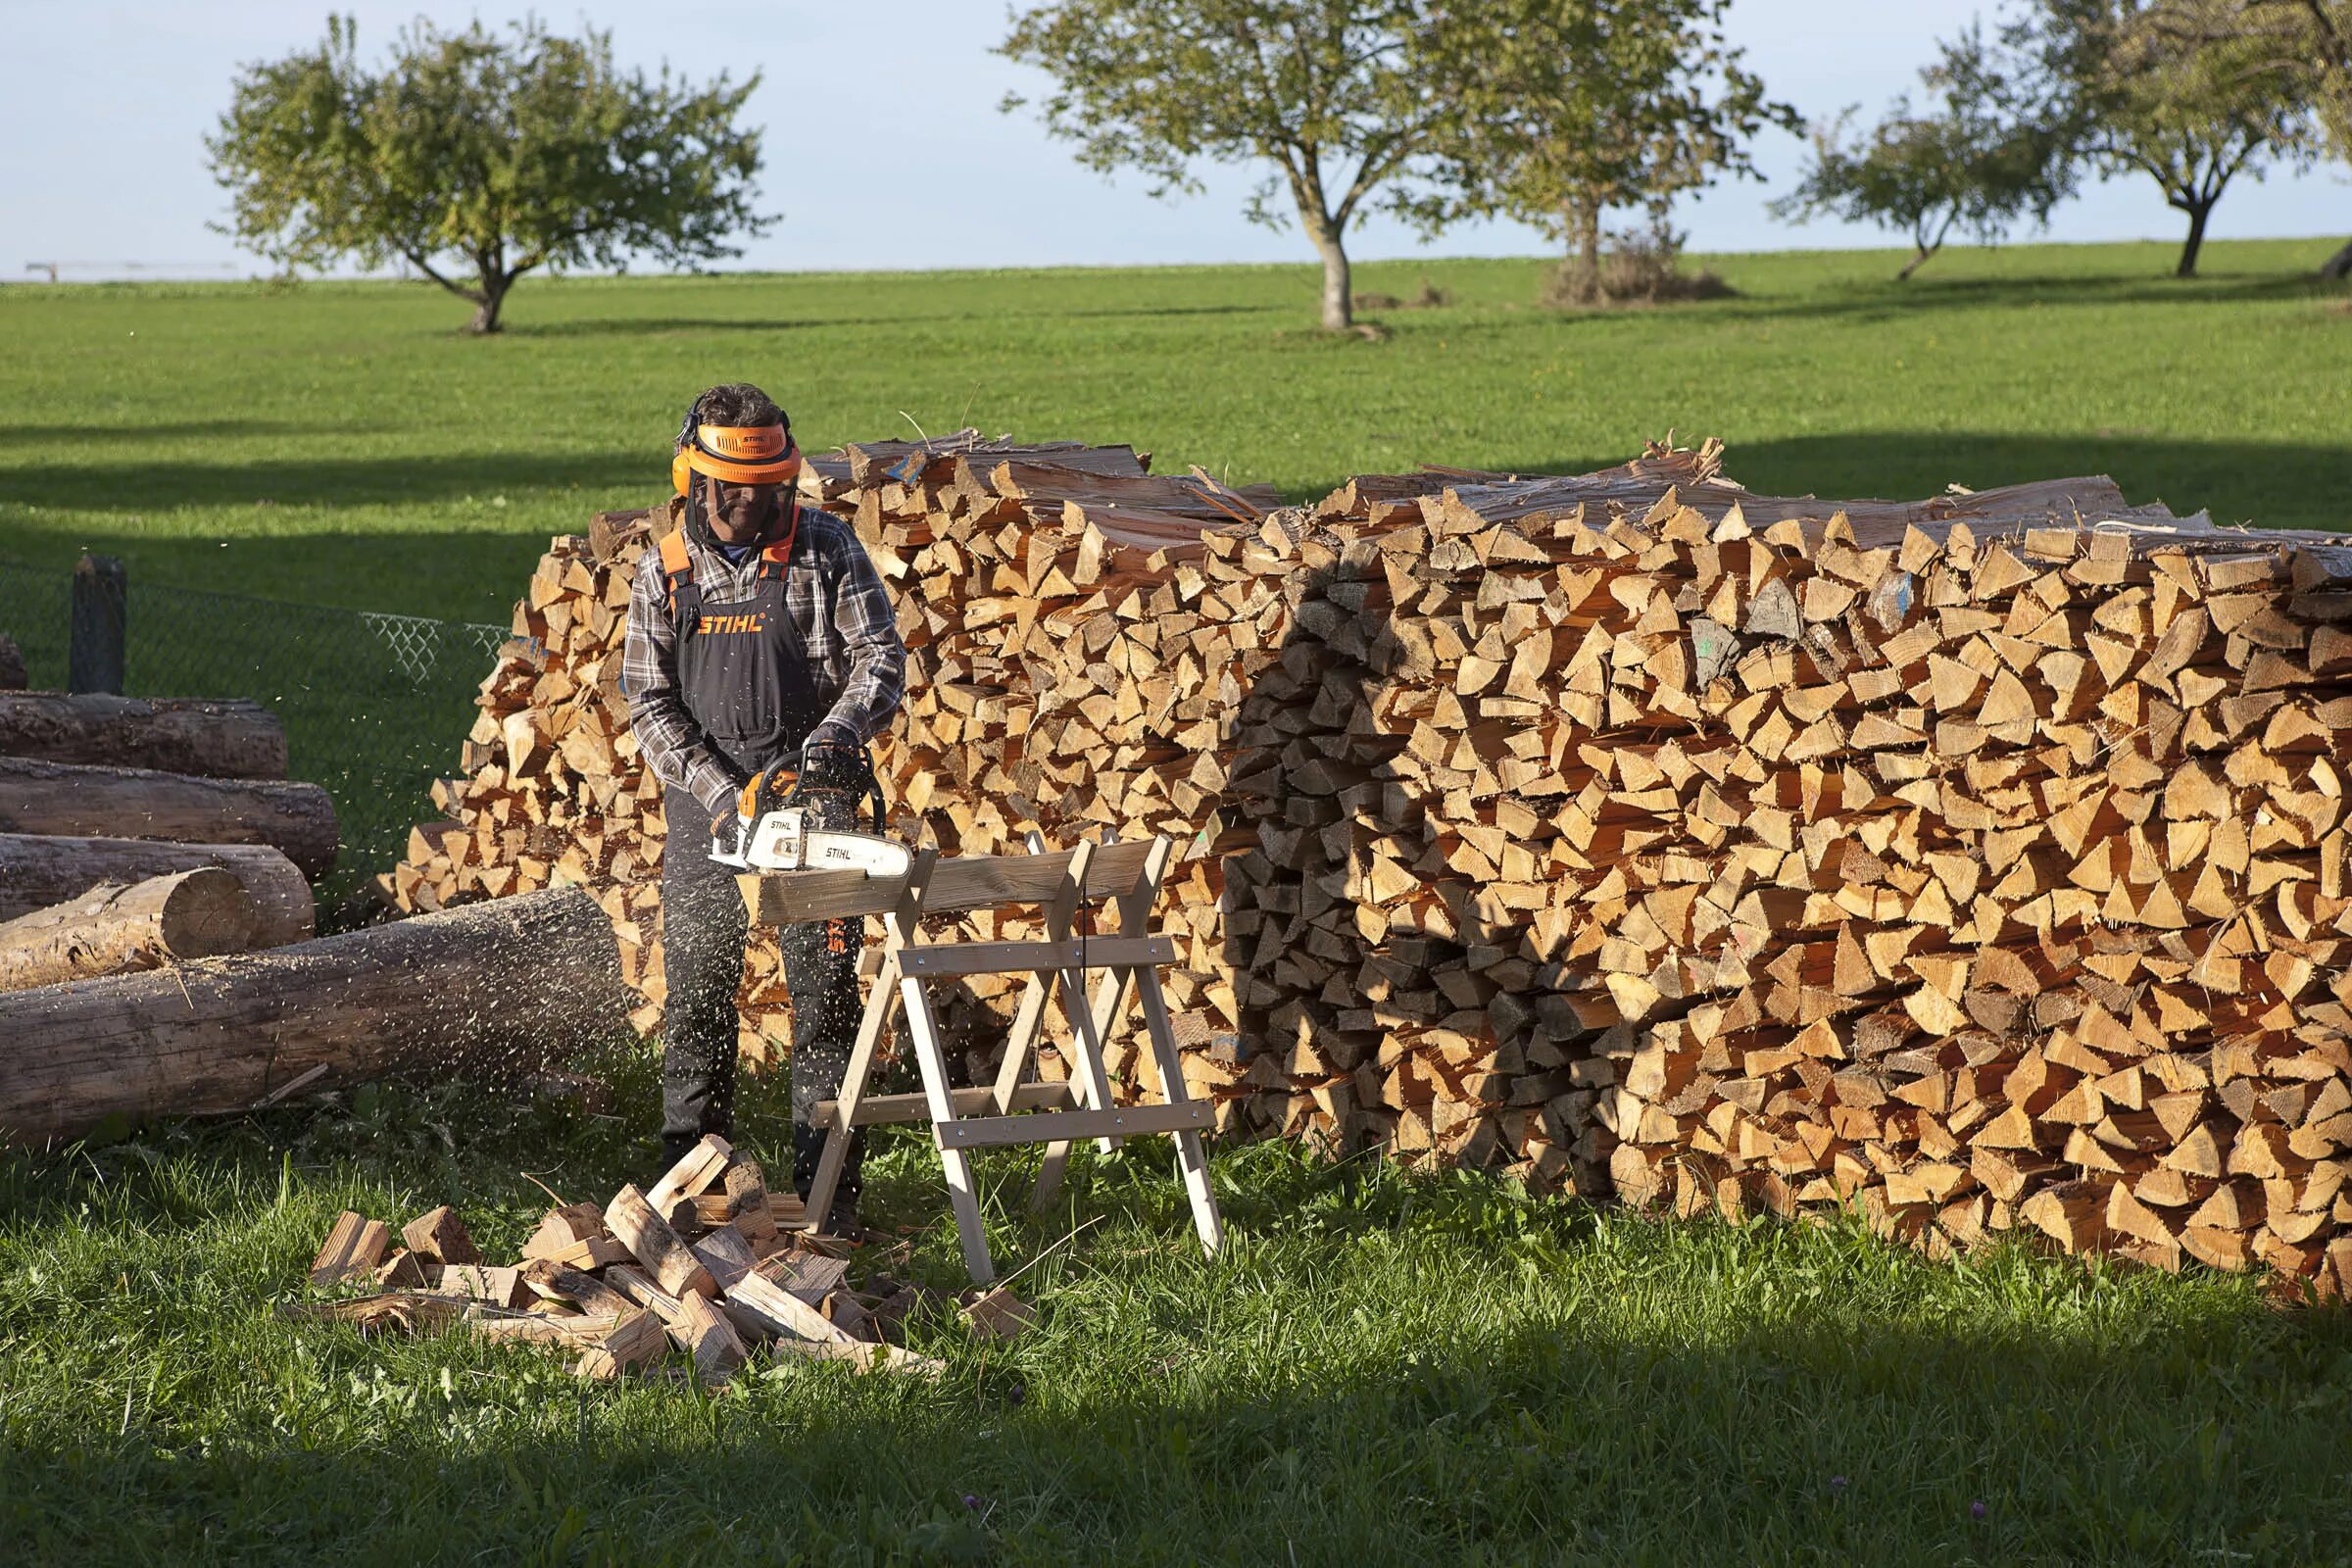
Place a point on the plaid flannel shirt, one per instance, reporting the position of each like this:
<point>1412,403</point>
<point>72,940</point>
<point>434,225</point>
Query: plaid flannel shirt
<point>849,635</point>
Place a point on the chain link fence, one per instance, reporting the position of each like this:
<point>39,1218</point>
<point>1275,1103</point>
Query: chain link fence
<point>374,705</point>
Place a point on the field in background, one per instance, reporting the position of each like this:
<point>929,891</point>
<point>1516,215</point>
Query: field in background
<point>342,444</point>
<point>1378,1369</point>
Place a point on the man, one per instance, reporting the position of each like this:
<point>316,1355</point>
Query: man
<point>759,638</point>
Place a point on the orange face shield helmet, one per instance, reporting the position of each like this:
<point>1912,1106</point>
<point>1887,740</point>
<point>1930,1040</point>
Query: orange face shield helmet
<point>757,454</point>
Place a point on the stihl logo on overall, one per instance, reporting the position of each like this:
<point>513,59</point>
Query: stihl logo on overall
<point>734,623</point>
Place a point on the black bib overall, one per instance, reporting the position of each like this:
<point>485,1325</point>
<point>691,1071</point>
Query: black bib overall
<point>745,684</point>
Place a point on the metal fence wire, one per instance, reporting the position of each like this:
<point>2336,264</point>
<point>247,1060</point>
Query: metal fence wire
<point>375,706</point>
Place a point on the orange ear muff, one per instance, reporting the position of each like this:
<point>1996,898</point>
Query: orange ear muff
<point>780,465</point>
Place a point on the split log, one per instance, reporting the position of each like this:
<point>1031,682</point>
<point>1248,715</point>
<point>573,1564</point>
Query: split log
<point>113,930</point>
<point>67,797</point>
<point>209,737</point>
<point>38,871</point>
<point>501,986</point>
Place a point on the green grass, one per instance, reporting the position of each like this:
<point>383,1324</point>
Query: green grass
<point>343,444</point>
<point>1375,1370</point>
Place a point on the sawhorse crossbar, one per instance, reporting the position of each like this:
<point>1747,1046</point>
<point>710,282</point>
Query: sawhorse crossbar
<point>1016,1108</point>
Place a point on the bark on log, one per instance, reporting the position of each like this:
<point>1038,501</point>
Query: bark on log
<point>54,798</point>
<point>37,871</point>
<point>516,980</point>
<point>213,738</point>
<point>113,929</point>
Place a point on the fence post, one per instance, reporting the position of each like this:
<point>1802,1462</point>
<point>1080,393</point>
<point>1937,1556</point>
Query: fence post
<point>101,603</point>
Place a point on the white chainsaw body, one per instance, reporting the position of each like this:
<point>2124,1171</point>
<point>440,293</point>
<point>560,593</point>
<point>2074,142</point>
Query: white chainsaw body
<point>785,840</point>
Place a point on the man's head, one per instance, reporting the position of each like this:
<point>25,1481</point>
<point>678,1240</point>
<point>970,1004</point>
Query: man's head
<point>735,455</point>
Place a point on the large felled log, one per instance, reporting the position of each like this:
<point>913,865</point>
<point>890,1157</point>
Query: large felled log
<point>520,978</point>
<point>113,930</point>
<point>135,802</point>
<point>214,738</point>
<point>37,871</point>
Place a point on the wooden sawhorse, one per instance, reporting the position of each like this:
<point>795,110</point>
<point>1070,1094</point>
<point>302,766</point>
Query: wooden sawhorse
<point>1016,1108</point>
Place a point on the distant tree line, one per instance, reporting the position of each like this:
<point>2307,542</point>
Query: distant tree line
<point>478,157</point>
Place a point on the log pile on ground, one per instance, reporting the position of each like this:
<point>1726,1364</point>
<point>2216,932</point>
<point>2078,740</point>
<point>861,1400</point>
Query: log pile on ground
<point>1974,861</point>
<point>708,1264</point>
<point>504,988</point>
<point>138,832</point>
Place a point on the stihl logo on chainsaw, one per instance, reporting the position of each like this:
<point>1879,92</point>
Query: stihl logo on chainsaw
<point>757,622</point>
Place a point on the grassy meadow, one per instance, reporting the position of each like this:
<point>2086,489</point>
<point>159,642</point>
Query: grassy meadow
<point>343,444</point>
<point>1377,1368</point>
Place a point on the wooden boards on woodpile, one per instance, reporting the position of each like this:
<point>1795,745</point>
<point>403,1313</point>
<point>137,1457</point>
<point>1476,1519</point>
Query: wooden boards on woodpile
<point>710,1264</point>
<point>1975,861</point>
<point>505,985</point>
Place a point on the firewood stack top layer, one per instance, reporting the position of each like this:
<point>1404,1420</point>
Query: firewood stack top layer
<point>1976,860</point>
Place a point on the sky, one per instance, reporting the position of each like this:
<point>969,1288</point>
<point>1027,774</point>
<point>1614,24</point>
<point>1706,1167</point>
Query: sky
<point>885,145</point>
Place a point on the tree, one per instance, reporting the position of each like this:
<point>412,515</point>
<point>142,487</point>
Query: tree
<point>477,158</point>
<point>2304,46</point>
<point>1975,159</point>
<point>1333,93</point>
<point>2191,112</point>
<point>1564,109</point>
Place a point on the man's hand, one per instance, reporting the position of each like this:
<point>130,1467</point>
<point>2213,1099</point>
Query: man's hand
<point>726,839</point>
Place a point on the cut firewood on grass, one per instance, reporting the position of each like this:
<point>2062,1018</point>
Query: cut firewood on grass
<point>592,1281</point>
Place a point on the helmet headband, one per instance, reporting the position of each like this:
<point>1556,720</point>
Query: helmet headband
<point>757,454</point>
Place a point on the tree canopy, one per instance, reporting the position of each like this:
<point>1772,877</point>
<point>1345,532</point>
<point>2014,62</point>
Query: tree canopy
<point>1976,158</point>
<point>2133,94</point>
<point>477,158</point>
<point>1335,94</point>
<point>1565,109</point>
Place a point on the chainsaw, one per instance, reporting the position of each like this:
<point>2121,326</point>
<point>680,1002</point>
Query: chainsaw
<point>771,835</point>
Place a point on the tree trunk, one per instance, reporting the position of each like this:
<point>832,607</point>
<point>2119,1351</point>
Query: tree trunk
<point>1585,218</point>
<point>501,985</point>
<point>113,930</point>
<point>54,798</point>
<point>486,307</point>
<point>37,872</point>
<point>2339,266</point>
<point>2197,212</point>
<point>1918,260</point>
<point>1339,298</point>
<point>231,738</point>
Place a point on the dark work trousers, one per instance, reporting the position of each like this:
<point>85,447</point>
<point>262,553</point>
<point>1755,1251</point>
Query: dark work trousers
<point>704,928</point>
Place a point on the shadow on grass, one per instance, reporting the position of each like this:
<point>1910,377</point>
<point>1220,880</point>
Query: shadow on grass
<point>657,325</point>
<point>77,482</point>
<point>1873,300</point>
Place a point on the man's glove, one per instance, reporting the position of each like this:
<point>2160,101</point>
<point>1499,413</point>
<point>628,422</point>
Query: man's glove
<point>834,765</point>
<point>726,841</point>
<point>835,776</point>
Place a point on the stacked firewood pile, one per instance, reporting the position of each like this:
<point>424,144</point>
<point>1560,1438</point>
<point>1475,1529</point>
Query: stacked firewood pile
<point>709,1261</point>
<point>1973,860</point>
